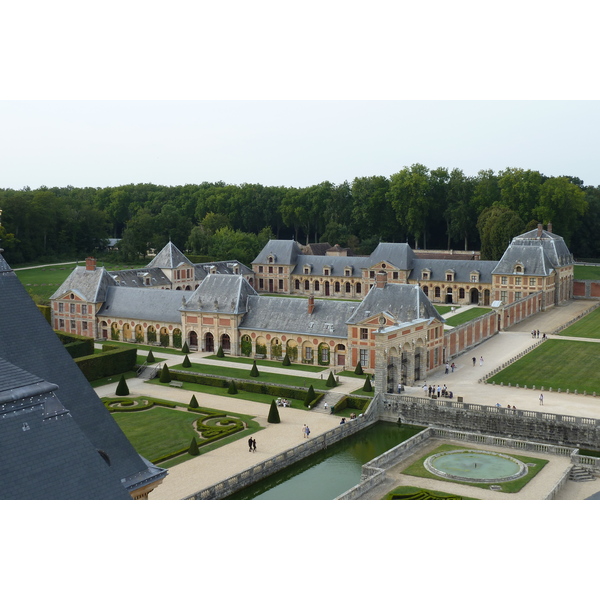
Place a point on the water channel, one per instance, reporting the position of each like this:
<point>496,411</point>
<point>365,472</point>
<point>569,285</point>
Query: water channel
<point>330,472</point>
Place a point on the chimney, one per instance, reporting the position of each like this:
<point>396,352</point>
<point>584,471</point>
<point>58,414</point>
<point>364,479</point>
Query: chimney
<point>540,230</point>
<point>381,279</point>
<point>90,264</point>
<point>549,227</point>
<point>311,304</point>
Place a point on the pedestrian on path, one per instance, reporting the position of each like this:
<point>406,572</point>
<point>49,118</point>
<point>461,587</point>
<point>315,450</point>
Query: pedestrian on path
<point>307,431</point>
<point>250,444</point>
<point>474,361</point>
<point>541,399</point>
<point>304,430</point>
<point>254,445</point>
<point>481,361</point>
<point>453,366</point>
<point>447,368</point>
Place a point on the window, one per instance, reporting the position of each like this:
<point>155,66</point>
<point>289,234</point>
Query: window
<point>61,307</point>
<point>260,269</point>
<point>270,269</point>
<point>461,293</point>
<point>61,323</point>
<point>72,308</point>
<point>372,274</point>
<point>474,278</point>
<point>281,284</point>
<point>270,259</point>
<point>73,326</point>
<point>448,276</point>
<point>517,295</point>
<point>317,287</point>
<point>281,269</point>
<point>425,275</point>
<point>436,292</point>
<point>348,288</point>
<point>336,286</point>
<point>503,295</point>
<point>84,326</point>
<point>518,280</point>
<point>364,333</point>
<point>395,275</point>
<point>504,280</point>
<point>307,285</point>
<point>260,284</point>
<point>308,353</point>
<point>84,309</point>
<point>325,271</point>
<point>532,281</point>
<point>358,288</point>
<point>324,355</point>
<point>297,284</point>
<point>347,272</point>
<point>364,358</point>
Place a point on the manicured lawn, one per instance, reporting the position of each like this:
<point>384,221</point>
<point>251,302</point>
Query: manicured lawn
<point>269,363</point>
<point>443,308</point>
<point>587,327</point>
<point>406,492</point>
<point>233,373</point>
<point>467,315</point>
<point>585,272</point>
<point>361,392</point>
<point>563,364</point>
<point>146,349</point>
<point>112,379</point>
<point>418,470</point>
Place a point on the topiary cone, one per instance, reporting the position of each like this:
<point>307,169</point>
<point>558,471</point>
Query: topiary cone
<point>331,380</point>
<point>367,387</point>
<point>193,449</point>
<point>186,362</point>
<point>150,358</point>
<point>186,348</point>
<point>286,361</point>
<point>122,388</point>
<point>254,371</point>
<point>165,375</point>
<point>358,370</point>
<point>194,402</point>
<point>273,413</point>
<point>232,388</point>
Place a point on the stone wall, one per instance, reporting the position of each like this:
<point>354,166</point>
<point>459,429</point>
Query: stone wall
<point>586,289</point>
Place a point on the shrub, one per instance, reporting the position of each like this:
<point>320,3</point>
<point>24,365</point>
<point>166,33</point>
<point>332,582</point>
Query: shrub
<point>232,388</point>
<point>186,362</point>
<point>150,359</point>
<point>273,413</point>
<point>151,336</point>
<point>164,339</point>
<point>165,375</point>
<point>367,387</point>
<point>186,348</point>
<point>286,360</point>
<point>246,346</point>
<point>331,380</point>
<point>254,371</point>
<point>177,340</point>
<point>220,353</point>
<point>194,402</point>
<point>310,395</point>
<point>193,449</point>
<point>261,349</point>
<point>107,364</point>
<point>359,369</point>
<point>122,388</point>
<point>276,351</point>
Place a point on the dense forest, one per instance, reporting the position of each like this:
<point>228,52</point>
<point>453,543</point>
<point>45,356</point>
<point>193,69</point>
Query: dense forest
<point>430,209</point>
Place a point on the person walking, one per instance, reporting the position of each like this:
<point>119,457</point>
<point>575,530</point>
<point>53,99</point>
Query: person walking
<point>304,430</point>
<point>541,399</point>
<point>474,361</point>
<point>307,431</point>
<point>250,444</point>
<point>254,445</point>
<point>481,361</point>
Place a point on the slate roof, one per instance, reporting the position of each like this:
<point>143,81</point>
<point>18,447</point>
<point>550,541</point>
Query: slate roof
<point>68,425</point>
<point>399,255</point>
<point>144,304</point>
<point>89,285</point>
<point>539,254</point>
<point>402,302</point>
<point>285,251</point>
<point>223,267</point>
<point>226,294</point>
<point>462,270</point>
<point>136,277</point>
<point>170,257</point>
<point>336,264</point>
<point>286,315</point>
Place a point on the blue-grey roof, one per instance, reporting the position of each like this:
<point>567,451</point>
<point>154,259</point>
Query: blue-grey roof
<point>284,252</point>
<point>400,256</point>
<point>223,267</point>
<point>402,302</point>
<point>90,285</point>
<point>144,304</point>
<point>136,278</point>
<point>170,257</point>
<point>336,264</point>
<point>462,269</point>
<point>282,314</point>
<point>221,293</point>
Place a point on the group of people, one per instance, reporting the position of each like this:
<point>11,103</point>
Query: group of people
<point>305,430</point>
<point>251,444</point>
<point>450,367</point>
<point>535,333</point>
<point>480,361</point>
<point>436,392</point>
<point>283,402</point>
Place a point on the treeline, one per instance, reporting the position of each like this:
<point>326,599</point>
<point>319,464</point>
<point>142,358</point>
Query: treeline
<point>433,209</point>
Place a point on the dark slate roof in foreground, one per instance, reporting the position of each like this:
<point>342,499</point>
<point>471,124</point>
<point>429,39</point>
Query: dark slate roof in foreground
<point>290,315</point>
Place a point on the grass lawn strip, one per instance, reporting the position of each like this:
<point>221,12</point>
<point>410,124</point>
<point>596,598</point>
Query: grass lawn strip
<point>407,492</point>
<point>162,430</point>
<point>417,469</point>
<point>586,327</point>
<point>467,315</point>
<point>587,272</point>
<point>270,363</point>
<point>564,364</point>
<point>264,377</point>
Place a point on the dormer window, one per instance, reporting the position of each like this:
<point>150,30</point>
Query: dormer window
<point>347,272</point>
<point>519,268</point>
<point>306,269</point>
<point>426,274</point>
<point>450,275</point>
<point>271,258</point>
<point>474,276</point>
<point>326,271</point>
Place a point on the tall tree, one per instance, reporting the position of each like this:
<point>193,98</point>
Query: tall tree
<point>497,226</point>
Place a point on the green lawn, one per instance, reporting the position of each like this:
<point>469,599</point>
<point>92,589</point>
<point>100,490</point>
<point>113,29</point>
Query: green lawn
<point>563,364</point>
<point>406,492</point>
<point>418,470</point>
<point>467,315</point>
<point>585,272</point>
<point>443,308</point>
<point>233,373</point>
<point>270,363</point>
<point>587,327</point>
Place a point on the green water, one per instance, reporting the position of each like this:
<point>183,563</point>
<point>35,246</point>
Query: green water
<point>330,472</point>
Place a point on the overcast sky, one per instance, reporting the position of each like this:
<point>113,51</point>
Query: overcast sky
<point>288,143</point>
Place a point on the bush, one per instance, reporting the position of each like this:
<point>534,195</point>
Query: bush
<point>186,362</point>
<point>122,388</point>
<point>150,358</point>
<point>232,388</point>
<point>186,348</point>
<point>331,380</point>
<point>359,369</point>
<point>165,375</point>
<point>367,387</point>
<point>246,346</point>
<point>254,371</point>
<point>273,413</point>
<point>193,449</point>
<point>194,402</point>
<point>286,361</point>
<point>310,395</point>
<point>220,353</point>
<point>107,364</point>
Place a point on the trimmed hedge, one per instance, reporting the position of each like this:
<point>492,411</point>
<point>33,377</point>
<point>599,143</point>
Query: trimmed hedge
<point>359,404</point>
<point>76,345</point>
<point>114,362</point>
<point>45,310</point>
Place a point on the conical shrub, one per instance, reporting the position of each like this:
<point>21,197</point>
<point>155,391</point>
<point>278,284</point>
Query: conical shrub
<point>358,370</point>
<point>367,387</point>
<point>310,395</point>
<point>286,361</point>
<point>232,388</point>
<point>194,402</point>
<point>122,388</point>
<point>186,362</point>
<point>254,371</point>
<point>150,358</point>
<point>220,353</point>
<point>165,374</point>
<point>193,449</point>
<point>331,380</point>
<point>186,348</point>
<point>273,413</point>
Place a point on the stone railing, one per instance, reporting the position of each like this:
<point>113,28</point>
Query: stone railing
<point>240,480</point>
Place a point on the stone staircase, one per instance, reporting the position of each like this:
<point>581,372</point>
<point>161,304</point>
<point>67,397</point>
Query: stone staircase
<point>579,473</point>
<point>147,371</point>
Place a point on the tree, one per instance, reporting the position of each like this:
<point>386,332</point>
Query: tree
<point>220,352</point>
<point>273,413</point>
<point>186,348</point>
<point>193,449</point>
<point>520,191</point>
<point>232,388</point>
<point>331,380</point>
<point>165,375</point>
<point>122,388</point>
<point>186,362</point>
<point>358,370</point>
<point>194,402</point>
<point>367,387</point>
<point>497,226</point>
<point>286,361</point>
<point>310,395</point>
<point>254,371</point>
<point>150,358</point>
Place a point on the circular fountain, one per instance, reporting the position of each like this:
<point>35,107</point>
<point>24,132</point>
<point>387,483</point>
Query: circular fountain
<point>475,466</point>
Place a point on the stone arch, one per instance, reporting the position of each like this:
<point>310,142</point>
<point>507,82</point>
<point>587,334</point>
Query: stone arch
<point>139,333</point>
<point>324,354</point>
<point>151,334</point>
<point>104,330</point>
<point>261,345</point>
<point>276,348</point>
<point>340,353</point>
<point>209,342</point>
<point>226,342</point>
<point>127,332</point>
<point>177,341</point>
<point>193,339</point>
<point>246,345</point>
<point>308,351</point>
<point>292,349</point>
<point>114,331</point>
<point>474,296</point>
